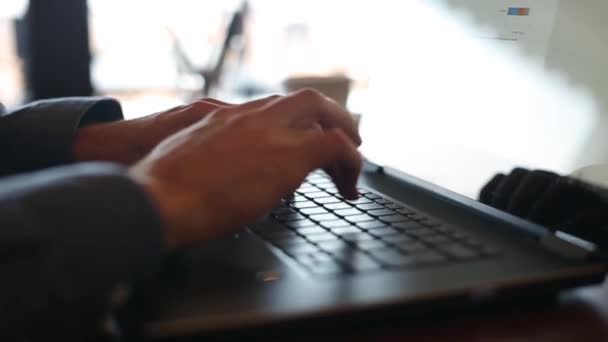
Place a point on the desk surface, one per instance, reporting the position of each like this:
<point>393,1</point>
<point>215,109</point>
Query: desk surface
<point>580,315</point>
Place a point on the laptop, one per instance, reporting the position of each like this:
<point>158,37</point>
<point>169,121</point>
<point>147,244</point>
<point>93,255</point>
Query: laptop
<point>472,94</point>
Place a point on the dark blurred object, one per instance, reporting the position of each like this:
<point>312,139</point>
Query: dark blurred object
<point>54,43</point>
<point>211,75</point>
<point>557,202</point>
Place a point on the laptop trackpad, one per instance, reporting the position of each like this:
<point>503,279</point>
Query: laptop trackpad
<point>240,259</point>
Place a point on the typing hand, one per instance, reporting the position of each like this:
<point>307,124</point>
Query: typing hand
<point>128,141</point>
<point>557,202</point>
<point>233,166</point>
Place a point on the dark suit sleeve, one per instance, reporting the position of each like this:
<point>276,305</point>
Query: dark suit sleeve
<point>68,237</point>
<point>41,134</point>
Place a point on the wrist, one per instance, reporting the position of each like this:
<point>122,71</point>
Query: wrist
<point>107,142</point>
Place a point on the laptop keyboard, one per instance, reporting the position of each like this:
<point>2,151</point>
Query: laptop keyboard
<point>327,234</point>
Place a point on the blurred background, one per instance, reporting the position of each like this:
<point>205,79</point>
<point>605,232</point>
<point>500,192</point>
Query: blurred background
<point>449,90</point>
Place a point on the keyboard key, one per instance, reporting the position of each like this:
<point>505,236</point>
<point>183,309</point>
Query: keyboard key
<point>320,180</point>
<point>345,230</point>
<point>327,268</point>
<point>394,206</point>
<point>326,185</point>
<point>412,247</point>
<point>473,242</point>
<point>290,242</point>
<point>307,189</point>
<point>290,217</point>
<point>335,224</point>
<point>428,257</point>
<point>359,218</point>
<point>407,225</point>
<point>369,206</point>
<point>431,223</point>
<point>337,206</point>
<point>360,200</point>
<point>298,198</point>
<point>382,201</point>
<point>368,245</point>
<point>333,245</point>
<point>401,238</point>
<point>369,225</point>
<point>381,212</point>
<point>357,237</point>
<point>299,224</point>
<point>304,205</point>
<point>318,238</point>
<point>391,257</point>
<point>394,218</point>
<point>420,232</point>
<point>295,250</point>
<point>318,194</point>
<point>323,217</point>
<point>332,190</point>
<point>405,211</point>
<point>417,217</point>
<point>315,175</point>
<point>384,231</point>
<point>489,250</point>
<point>348,212</point>
<point>311,230</point>
<point>459,251</point>
<point>327,200</point>
<point>372,195</point>
<point>435,239</point>
<point>313,211</point>
<point>459,235</point>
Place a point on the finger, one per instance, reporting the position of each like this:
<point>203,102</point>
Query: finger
<point>564,198</point>
<point>507,186</point>
<point>321,149</point>
<point>310,106</point>
<point>529,190</point>
<point>332,170</point>
<point>488,190</point>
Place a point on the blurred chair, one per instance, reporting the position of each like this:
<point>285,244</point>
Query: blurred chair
<point>212,74</point>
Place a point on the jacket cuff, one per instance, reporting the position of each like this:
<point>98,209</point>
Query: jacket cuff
<point>42,133</point>
<point>106,225</point>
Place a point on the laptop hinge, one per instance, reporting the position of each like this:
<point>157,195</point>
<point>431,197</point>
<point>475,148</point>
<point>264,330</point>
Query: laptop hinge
<point>568,245</point>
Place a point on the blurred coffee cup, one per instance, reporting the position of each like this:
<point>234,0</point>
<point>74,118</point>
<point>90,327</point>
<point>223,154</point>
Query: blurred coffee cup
<point>336,88</point>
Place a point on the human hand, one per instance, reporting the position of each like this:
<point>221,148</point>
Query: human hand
<point>236,164</point>
<point>128,141</point>
<point>557,202</point>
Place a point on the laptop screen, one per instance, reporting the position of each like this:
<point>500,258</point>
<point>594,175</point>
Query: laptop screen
<point>466,88</point>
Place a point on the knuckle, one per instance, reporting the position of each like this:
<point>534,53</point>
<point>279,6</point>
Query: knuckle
<point>273,97</point>
<point>202,106</point>
<point>309,95</point>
